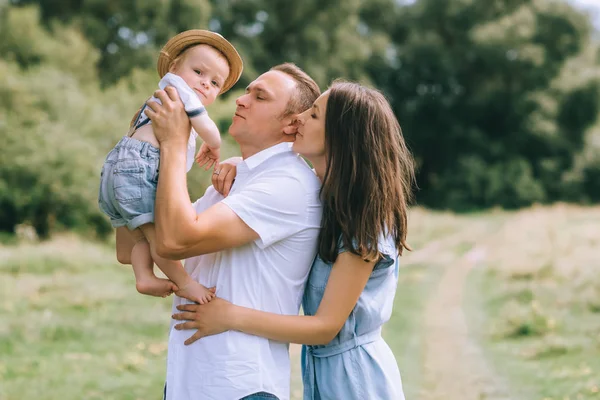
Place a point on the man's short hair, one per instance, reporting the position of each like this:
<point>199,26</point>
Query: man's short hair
<point>307,90</point>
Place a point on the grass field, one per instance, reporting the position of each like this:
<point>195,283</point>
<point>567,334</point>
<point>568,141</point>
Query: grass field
<point>495,305</point>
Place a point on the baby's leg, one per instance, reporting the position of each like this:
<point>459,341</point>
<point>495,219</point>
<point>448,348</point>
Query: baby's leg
<point>187,287</point>
<point>141,260</point>
<point>124,243</point>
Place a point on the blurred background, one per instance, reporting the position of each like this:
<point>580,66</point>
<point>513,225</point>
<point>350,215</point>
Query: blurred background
<point>498,100</point>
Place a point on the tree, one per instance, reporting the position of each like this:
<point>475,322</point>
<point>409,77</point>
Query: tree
<point>127,33</point>
<point>480,91</point>
<point>328,39</point>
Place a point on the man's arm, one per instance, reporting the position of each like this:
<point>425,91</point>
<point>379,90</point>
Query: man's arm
<point>180,232</point>
<point>218,228</point>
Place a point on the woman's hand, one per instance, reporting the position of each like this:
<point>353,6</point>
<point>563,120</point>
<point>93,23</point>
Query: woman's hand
<point>208,319</point>
<point>169,120</point>
<point>224,175</point>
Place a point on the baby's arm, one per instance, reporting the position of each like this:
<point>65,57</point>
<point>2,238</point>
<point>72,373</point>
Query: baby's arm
<point>206,128</point>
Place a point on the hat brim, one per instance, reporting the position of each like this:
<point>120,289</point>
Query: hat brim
<point>180,42</point>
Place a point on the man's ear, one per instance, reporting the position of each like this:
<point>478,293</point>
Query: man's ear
<point>291,125</point>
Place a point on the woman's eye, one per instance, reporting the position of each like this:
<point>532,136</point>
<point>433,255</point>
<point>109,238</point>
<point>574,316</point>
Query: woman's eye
<point>314,116</point>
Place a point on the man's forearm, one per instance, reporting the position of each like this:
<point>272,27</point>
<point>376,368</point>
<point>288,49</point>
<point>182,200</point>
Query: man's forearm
<point>173,209</point>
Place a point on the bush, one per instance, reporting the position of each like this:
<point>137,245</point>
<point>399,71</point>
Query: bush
<point>57,124</point>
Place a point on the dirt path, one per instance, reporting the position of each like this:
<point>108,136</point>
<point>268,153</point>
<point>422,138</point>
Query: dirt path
<point>453,366</point>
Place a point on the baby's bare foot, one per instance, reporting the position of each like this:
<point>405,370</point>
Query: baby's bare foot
<point>154,286</point>
<point>195,292</point>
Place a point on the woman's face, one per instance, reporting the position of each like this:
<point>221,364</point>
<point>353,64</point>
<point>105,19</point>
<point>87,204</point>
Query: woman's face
<point>310,139</point>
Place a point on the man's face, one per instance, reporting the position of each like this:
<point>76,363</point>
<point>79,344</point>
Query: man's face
<point>259,113</point>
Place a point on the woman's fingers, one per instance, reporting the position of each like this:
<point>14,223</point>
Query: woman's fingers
<point>188,307</point>
<point>193,338</point>
<point>184,316</point>
<point>228,181</point>
<point>222,178</point>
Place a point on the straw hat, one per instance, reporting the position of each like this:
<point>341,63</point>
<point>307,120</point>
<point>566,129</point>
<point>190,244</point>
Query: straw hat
<point>180,42</point>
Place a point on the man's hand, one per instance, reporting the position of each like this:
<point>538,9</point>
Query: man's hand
<point>209,319</point>
<point>169,120</point>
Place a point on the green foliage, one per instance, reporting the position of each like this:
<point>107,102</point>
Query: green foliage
<point>57,124</point>
<point>498,101</point>
<point>328,39</point>
<point>128,33</point>
<point>492,99</point>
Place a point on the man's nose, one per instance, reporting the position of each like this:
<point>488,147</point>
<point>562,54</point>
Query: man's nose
<point>241,101</point>
<point>300,119</point>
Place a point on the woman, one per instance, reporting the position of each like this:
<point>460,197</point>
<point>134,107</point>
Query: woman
<point>355,144</point>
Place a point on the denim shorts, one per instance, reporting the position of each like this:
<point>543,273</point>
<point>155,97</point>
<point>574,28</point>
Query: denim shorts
<point>128,183</point>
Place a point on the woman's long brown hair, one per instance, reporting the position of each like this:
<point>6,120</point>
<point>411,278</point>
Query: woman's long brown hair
<point>369,177</point>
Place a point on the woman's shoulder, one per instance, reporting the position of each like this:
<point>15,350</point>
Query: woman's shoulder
<point>385,244</point>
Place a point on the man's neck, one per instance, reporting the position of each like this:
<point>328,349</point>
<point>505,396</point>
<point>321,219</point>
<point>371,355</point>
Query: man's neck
<point>248,150</point>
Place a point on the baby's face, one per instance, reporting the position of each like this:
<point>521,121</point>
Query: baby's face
<point>204,69</point>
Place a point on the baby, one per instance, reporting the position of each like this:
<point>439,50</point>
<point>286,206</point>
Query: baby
<point>201,65</point>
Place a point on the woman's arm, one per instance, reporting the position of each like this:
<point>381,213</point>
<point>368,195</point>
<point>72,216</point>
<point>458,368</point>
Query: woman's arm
<point>349,276</point>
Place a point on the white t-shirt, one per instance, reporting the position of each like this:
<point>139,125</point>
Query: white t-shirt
<point>277,195</point>
<point>193,107</point>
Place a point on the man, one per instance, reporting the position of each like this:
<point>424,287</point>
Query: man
<point>255,246</point>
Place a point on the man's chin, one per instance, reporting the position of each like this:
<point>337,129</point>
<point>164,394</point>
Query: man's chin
<point>234,131</point>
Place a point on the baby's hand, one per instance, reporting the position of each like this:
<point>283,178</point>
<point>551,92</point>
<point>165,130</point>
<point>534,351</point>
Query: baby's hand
<point>208,156</point>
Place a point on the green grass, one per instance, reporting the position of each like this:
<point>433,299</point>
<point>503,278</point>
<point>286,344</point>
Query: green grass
<point>74,327</point>
<point>404,333</point>
<point>534,304</point>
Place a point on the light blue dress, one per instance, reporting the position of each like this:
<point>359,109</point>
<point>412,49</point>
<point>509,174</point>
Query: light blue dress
<point>357,364</point>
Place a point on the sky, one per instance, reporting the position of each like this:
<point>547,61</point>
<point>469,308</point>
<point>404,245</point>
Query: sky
<point>593,6</point>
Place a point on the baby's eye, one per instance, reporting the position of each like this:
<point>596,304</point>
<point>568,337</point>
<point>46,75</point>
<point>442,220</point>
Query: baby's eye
<point>216,84</point>
<point>199,72</point>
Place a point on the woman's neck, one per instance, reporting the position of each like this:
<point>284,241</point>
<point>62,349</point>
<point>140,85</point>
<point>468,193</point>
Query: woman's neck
<point>320,165</point>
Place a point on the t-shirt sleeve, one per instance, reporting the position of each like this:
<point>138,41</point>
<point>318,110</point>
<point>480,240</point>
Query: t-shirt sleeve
<point>274,208</point>
<point>192,103</point>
